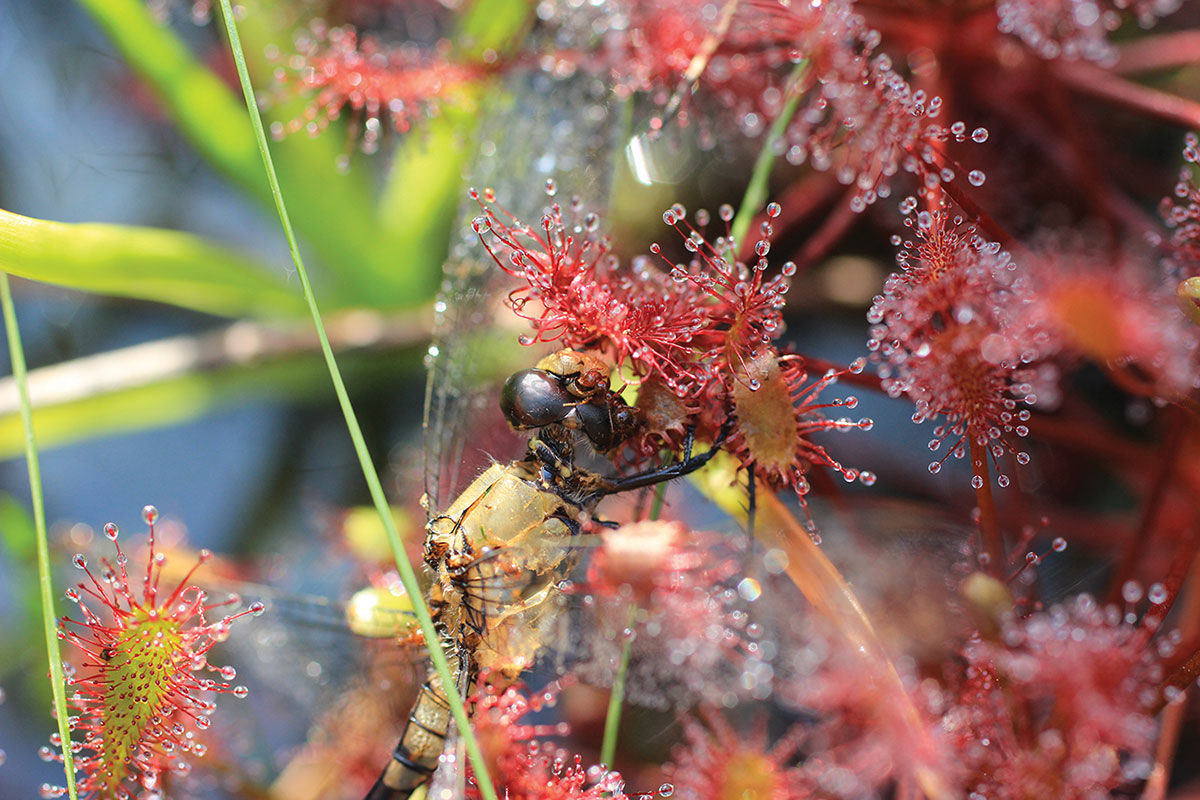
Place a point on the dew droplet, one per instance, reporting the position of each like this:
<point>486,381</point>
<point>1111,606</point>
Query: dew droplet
<point>110,530</point>
<point>1131,591</point>
<point>976,177</point>
<point>257,609</point>
<point>481,224</point>
<point>979,135</point>
<point>1059,544</point>
<point>551,187</point>
<point>79,561</point>
<point>666,790</point>
<point>749,589</point>
<point>977,481</point>
<point>1157,594</point>
<point>725,212</point>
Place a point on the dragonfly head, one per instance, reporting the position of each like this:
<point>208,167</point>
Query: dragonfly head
<point>569,389</point>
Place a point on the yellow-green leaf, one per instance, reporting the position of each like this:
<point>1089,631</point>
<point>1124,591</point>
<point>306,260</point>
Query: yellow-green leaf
<point>144,263</point>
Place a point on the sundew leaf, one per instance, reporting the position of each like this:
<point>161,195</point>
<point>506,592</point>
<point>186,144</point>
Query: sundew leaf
<point>145,263</point>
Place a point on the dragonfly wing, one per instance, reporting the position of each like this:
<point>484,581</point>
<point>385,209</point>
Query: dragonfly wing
<point>526,123</point>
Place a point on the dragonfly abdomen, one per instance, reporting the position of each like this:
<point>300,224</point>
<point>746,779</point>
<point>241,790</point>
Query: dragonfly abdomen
<point>416,755</point>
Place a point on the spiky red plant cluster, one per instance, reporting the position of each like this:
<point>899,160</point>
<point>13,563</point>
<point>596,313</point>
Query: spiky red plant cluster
<point>950,330</point>
<point>1060,705</point>
<point>521,765</point>
<point>139,692</point>
<point>1076,29</point>
<point>375,83</point>
<point>852,111</point>
<point>715,761</point>
<point>1182,214</point>
<point>703,330</point>
<point>859,117</point>
<point>579,294</point>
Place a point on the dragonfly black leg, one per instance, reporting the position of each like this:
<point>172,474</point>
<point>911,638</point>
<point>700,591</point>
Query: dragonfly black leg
<point>751,503</point>
<point>689,464</point>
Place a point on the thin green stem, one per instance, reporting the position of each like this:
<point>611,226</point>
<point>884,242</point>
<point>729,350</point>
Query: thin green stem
<point>17,354</point>
<point>756,190</point>
<point>612,720</point>
<point>436,654</point>
<point>656,504</point>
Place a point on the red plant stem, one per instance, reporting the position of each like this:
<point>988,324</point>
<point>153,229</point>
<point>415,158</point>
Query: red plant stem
<point>989,525</point>
<point>1091,440</point>
<point>1091,182</point>
<point>1164,753</point>
<point>1101,83</point>
<point>1188,666</point>
<point>988,225</point>
<point>818,245</point>
<point>1163,51</point>
<point>799,201</point>
<point>1139,539</point>
<point>1173,717</point>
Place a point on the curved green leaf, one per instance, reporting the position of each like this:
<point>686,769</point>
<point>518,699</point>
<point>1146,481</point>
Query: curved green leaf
<point>145,263</point>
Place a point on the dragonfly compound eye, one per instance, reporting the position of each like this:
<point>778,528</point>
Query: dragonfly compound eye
<point>534,398</point>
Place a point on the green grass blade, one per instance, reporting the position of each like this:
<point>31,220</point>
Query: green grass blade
<point>17,354</point>
<point>756,190</point>
<point>145,263</point>
<point>612,719</point>
<point>407,576</point>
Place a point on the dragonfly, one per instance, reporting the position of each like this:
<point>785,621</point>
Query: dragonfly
<point>501,550</point>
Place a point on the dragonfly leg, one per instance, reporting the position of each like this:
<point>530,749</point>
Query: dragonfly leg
<point>690,463</point>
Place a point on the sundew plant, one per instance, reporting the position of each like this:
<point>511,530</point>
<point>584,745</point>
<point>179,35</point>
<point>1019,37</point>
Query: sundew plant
<point>718,400</point>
